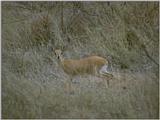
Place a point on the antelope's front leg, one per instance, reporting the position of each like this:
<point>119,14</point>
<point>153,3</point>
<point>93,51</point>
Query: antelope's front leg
<point>70,86</point>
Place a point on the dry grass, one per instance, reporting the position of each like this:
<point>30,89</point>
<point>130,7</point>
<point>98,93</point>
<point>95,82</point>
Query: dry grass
<point>33,83</point>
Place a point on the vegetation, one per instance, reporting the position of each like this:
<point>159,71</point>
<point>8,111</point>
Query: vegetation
<point>33,83</point>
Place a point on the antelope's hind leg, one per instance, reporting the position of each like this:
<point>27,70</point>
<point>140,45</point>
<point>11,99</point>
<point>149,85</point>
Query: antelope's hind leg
<point>105,75</point>
<point>105,80</point>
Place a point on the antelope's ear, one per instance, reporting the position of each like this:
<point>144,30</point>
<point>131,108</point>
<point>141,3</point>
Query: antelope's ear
<point>54,53</point>
<point>53,50</point>
<point>64,48</point>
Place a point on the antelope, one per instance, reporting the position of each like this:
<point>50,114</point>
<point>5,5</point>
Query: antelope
<point>89,65</point>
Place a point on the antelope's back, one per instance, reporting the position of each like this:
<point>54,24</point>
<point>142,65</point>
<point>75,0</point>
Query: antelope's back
<point>86,65</point>
<point>98,61</point>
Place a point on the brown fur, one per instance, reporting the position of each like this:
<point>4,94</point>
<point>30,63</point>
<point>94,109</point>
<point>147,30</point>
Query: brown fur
<point>88,65</point>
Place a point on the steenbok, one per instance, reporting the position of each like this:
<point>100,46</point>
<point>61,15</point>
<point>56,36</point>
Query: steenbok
<point>94,65</point>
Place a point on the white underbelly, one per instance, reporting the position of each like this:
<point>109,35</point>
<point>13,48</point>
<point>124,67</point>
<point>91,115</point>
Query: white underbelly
<point>104,70</point>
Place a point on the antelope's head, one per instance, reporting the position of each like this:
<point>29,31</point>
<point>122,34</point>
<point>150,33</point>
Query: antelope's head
<point>58,54</point>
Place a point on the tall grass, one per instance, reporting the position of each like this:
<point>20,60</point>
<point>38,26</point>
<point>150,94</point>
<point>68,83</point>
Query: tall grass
<point>33,82</point>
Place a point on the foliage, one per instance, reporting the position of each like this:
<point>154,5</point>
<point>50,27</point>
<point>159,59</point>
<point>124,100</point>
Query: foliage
<point>125,33</point>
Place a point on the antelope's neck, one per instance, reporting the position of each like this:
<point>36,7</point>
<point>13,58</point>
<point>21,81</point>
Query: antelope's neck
<point>61,58</point>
